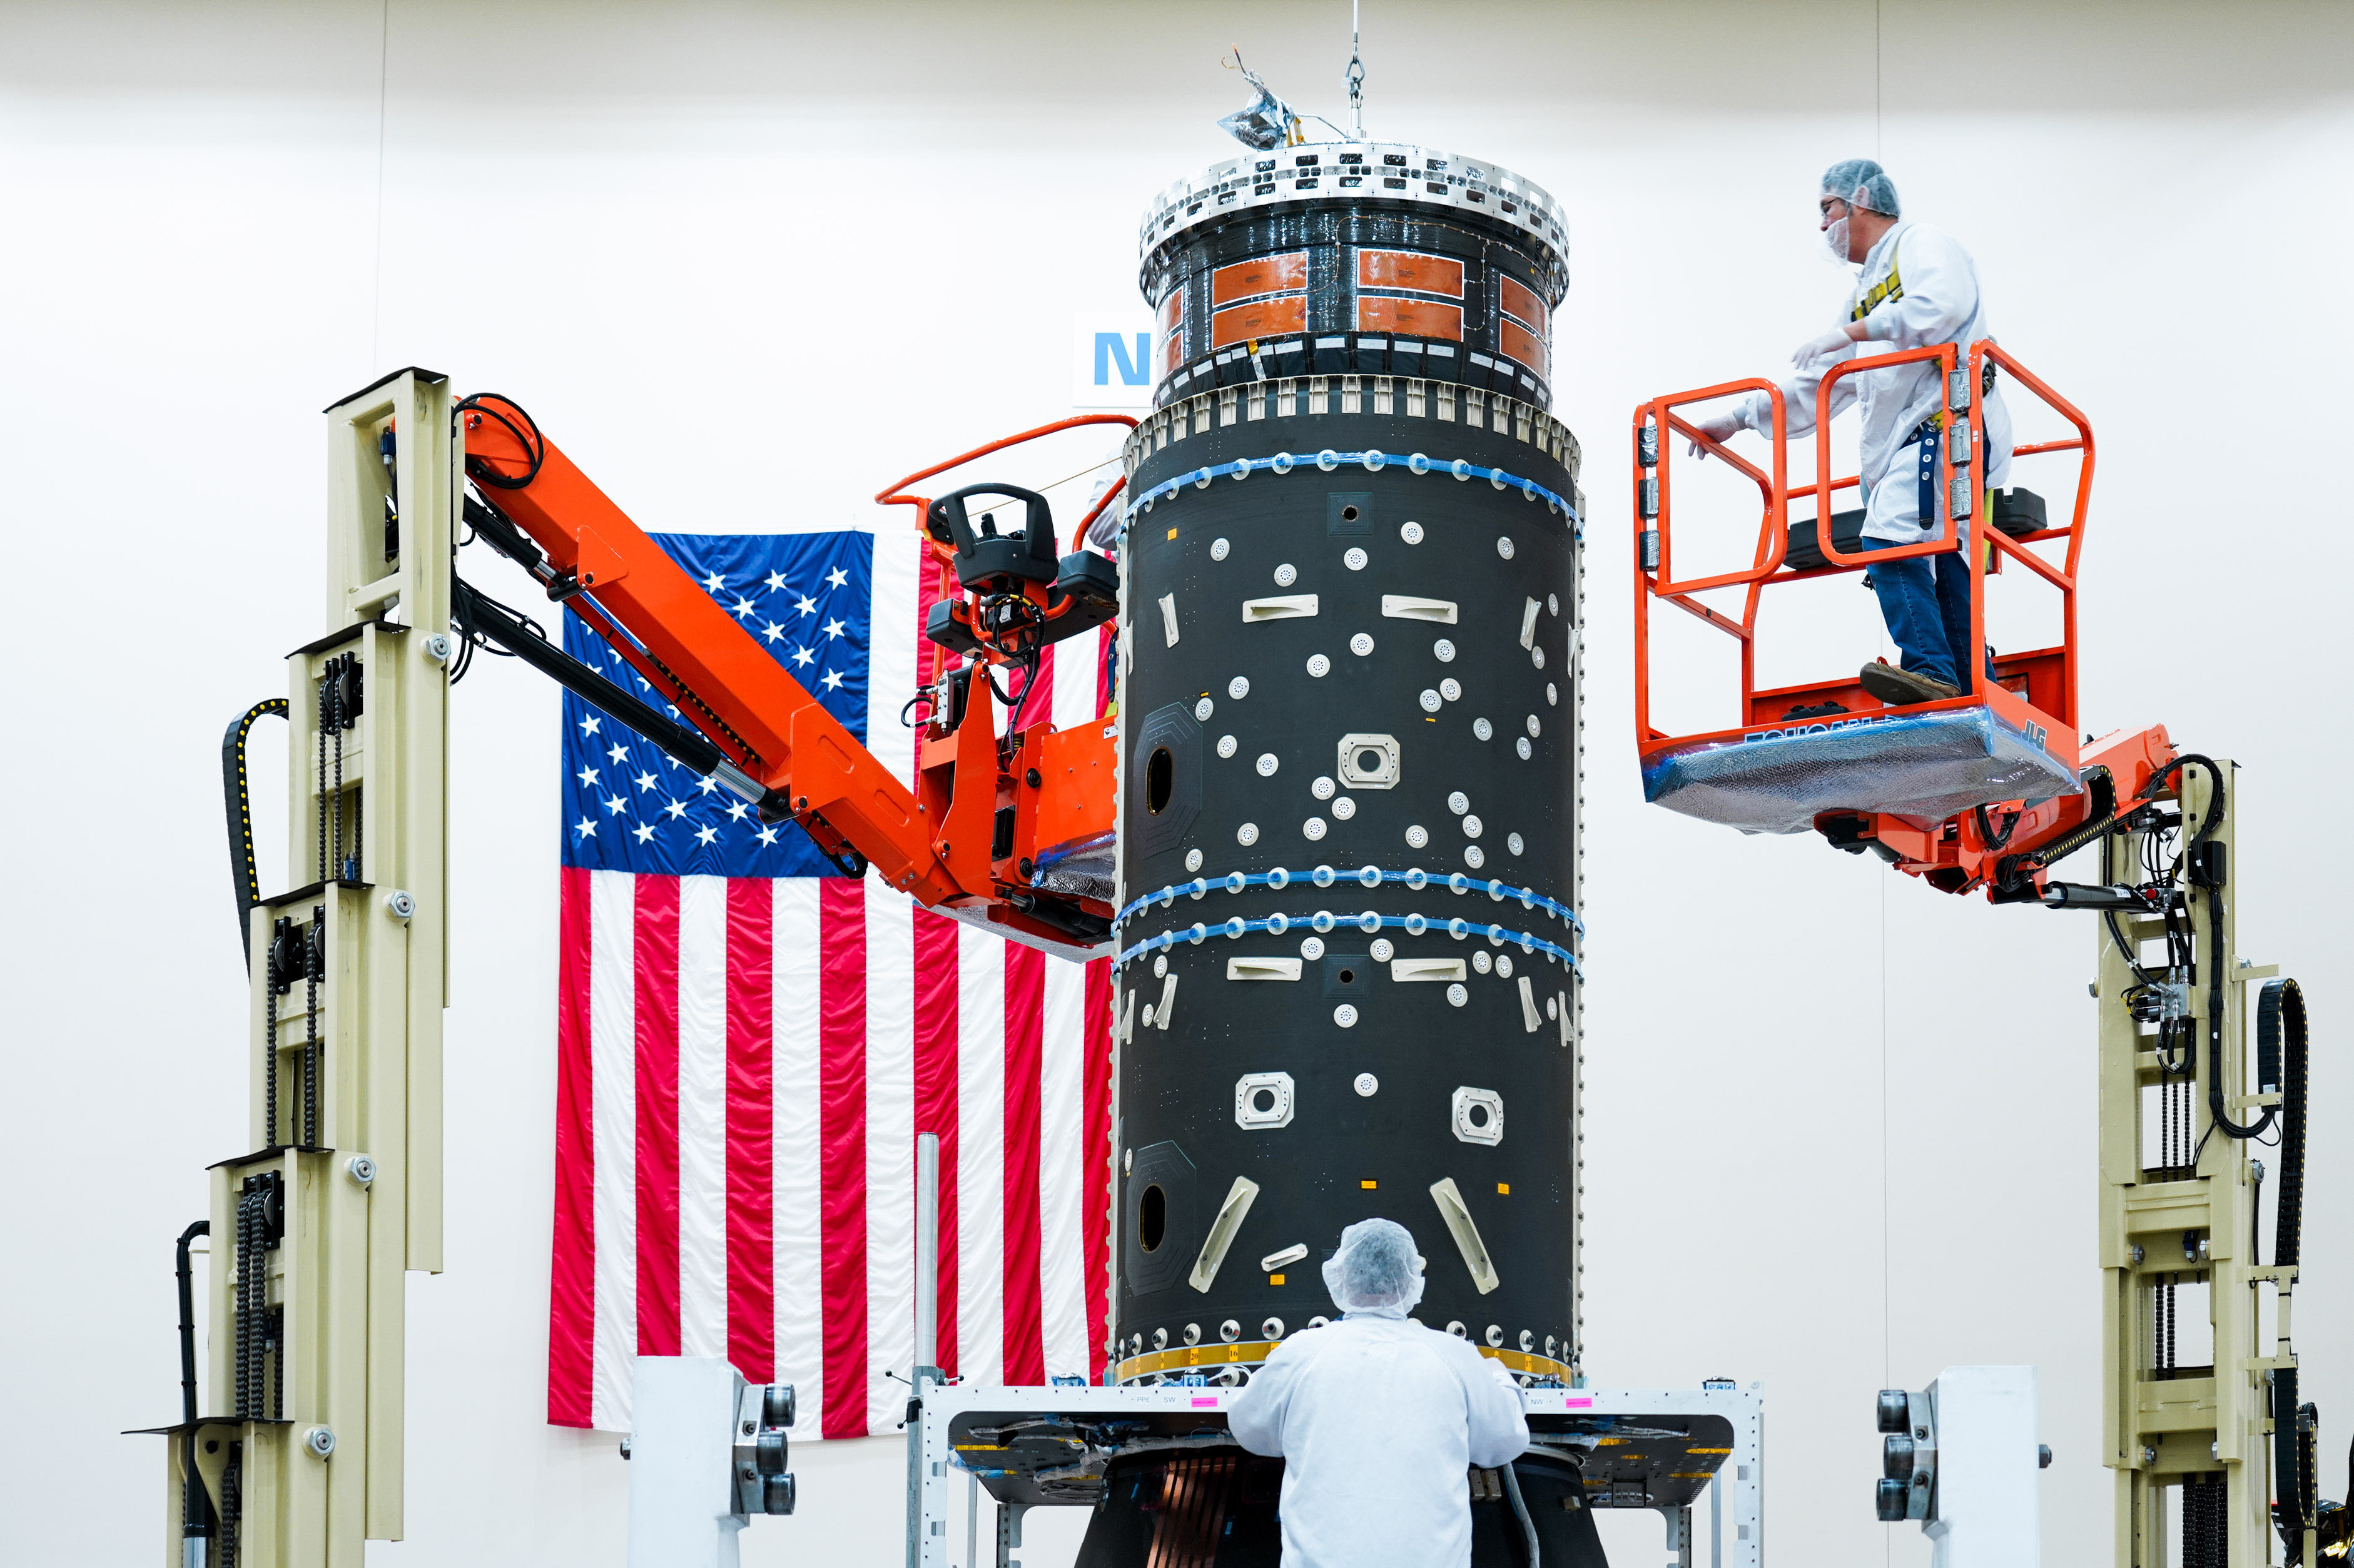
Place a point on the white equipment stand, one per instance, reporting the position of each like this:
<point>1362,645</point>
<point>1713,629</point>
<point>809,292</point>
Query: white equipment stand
<point>1968,1456</point>
<point>706,1452</point>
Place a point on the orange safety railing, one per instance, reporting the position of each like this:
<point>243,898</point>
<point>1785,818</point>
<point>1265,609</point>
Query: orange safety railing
<point>2035,691</point>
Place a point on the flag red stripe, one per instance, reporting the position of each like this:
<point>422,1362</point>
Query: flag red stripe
<point>572,1269</point>
<point>841,1149</point>
<point>1026,996</point>
<point>656,954</point>
<point>1094,1162</point>
<point>1027,710</point>
<point>936,1097</point>
<point>751,1249</point>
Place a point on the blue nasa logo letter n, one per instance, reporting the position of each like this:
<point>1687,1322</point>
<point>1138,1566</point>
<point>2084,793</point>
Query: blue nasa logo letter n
<point>1112,351</point>
<point>1111,359</point>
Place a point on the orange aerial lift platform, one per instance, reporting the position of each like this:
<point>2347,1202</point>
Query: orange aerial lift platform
<point>1979,790</point>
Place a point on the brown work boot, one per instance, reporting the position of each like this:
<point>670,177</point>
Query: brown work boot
<point>1902,688</point>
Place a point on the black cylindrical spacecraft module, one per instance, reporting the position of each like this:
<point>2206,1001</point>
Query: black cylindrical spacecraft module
<point>1349,742</point>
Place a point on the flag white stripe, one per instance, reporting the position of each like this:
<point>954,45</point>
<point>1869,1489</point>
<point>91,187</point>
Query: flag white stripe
<point>981,1157</point>
<point>613,1100</point>
<point>891,655</point>
<point>890,1149</point>
<point>801,1355</point>
<point>703,1116</point>
<point>1062,1278</point>
<point>1075,681</point>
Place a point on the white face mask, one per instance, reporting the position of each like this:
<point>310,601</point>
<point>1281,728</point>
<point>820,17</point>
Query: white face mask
<point>1835,240</point>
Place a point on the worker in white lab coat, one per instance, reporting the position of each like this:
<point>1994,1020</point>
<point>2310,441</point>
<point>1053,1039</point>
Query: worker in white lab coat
<point>1917,288</point>
<point>1378,1419</point>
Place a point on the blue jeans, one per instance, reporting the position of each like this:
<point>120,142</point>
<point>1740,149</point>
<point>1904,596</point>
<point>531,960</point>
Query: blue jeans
<point>1927,602</point>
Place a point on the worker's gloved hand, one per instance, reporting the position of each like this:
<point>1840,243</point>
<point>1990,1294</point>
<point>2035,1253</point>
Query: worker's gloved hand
<point>1505,1380</point>
<point>1821,346</point>
<point>1720,429</point>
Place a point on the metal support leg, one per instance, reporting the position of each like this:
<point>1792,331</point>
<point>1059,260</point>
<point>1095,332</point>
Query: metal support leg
<point>1009,1532</point>
<point>1680,1536</point>
<point>1716,1524</point>
<point>972,1520</point>
<point>925,1375</point>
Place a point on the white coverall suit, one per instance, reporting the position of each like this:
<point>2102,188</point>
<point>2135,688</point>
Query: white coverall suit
<point>1922,289</point>
<point>1377,1420</point>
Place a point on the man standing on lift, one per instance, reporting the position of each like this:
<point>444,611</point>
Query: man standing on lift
<point>1918,288</point>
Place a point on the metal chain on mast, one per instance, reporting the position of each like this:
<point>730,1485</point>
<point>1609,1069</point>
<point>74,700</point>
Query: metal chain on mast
<point>314,952</point>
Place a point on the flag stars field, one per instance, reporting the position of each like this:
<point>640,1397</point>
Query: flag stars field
<point>704,830</point>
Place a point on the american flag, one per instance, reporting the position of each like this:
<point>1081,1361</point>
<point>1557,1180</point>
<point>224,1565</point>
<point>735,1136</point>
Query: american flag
<point>748,1044</point>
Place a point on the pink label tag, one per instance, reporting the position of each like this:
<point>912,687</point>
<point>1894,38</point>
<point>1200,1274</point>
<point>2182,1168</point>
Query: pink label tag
<point>1200,1400</point>
<point>1585,1403</point>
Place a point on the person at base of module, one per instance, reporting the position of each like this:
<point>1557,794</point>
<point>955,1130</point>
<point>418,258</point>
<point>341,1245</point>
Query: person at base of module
<point>1917,288</point>
<point>1377,1418</point>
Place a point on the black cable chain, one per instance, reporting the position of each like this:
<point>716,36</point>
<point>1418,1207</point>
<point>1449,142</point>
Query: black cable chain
<point>232,1508</point>
<point>343,867</point>
<point>314,963</point>
<point>270,1047</point>
<point>319,816</point>
<point>246,1225</point>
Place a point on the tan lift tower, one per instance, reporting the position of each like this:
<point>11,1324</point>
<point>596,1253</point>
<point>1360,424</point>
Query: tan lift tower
<point>2180,1244</point>
<point>299,1456</point>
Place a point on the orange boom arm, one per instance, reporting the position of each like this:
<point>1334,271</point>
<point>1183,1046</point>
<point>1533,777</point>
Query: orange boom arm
<point>780,749</point>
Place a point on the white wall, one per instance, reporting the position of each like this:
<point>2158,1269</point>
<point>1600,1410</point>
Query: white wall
<point>746,263</point>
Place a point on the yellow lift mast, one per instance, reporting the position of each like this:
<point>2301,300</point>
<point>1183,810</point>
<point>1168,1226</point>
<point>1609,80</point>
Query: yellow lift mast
<point>298,1460</point>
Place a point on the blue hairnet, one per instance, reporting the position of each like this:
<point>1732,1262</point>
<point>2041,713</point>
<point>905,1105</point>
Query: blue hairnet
<point>1860,182</point>
<point>1376,1272</point>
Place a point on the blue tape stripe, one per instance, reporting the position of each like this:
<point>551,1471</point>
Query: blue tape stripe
<point>1324,920</point>
<point>1325,877</point>
<point>1372,460</point>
